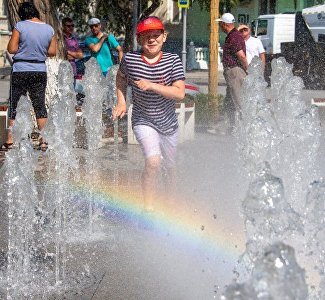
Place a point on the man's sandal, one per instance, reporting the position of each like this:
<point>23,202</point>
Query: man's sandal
<point>6,147</point>
<point>34,135</point>
<point>43,146</point>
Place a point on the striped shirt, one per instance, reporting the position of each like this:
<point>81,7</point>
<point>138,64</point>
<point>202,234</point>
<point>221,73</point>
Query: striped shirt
<point>150,108</point>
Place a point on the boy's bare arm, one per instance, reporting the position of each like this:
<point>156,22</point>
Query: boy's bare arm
<point>121,85</point>
<point>176,91</point>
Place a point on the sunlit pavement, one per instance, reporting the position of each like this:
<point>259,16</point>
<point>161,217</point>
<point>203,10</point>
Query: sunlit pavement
<point>192,247</point>
<point>191,250</point>
<point>200,78</point>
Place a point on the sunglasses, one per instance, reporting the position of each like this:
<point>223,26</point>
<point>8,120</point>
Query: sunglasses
<point>244,29</point>
<point>69,25</point>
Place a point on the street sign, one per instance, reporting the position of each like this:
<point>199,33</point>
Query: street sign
<point>184,3</point>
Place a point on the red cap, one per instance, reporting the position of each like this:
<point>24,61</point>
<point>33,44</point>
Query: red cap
<point>150,23</point>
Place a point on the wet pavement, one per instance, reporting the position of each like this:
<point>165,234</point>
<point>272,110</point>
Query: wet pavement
<point>193,244</point>
<point>189,250</point>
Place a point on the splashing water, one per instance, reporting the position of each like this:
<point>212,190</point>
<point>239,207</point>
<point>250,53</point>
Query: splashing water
<point>300,133</point>
<point>43,227</point>
<point>43,215</point>
<point>315,232</point>
<point>95,88</point>
<point>268,216</point>
<point>282,130</point>
<point>276,275</point>
<point>111,102</point>
<point>27,242</point>
<point>279,140</point>
<point>64,163</point>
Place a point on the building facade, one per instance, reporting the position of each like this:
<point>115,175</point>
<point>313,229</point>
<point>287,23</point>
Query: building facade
<point>251,9</point>
<point>198,21</point>
<point>4,31</point>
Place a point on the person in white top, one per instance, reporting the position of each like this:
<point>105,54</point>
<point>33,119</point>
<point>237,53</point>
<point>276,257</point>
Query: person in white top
<point>254,46</point>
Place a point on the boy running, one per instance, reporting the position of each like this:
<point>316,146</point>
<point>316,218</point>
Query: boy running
<point>157,81</point>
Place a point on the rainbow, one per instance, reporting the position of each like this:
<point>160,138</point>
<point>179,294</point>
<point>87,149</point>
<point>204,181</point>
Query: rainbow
<point>190,229</point>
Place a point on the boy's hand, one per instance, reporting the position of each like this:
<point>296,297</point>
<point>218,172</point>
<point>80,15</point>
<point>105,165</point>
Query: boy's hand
<point>119,111</point>
<point>144,84</point>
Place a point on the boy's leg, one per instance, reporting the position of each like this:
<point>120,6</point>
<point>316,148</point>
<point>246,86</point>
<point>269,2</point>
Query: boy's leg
<point>149,141</point>
<point>149,179</point>
<point>168,146</point>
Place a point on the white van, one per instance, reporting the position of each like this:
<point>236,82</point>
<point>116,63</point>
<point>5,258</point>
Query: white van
<point>273,30</point>
<point>315,21</point>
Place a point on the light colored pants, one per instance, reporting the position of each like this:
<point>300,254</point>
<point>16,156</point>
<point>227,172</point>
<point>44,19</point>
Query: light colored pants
<point>234,78</point>
<point>154,143</point>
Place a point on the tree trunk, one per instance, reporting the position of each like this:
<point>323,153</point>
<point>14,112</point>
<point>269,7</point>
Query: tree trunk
<point>213,64</point>
<point>214,39</point>
<point>48,14</point>
<point>12,6</point>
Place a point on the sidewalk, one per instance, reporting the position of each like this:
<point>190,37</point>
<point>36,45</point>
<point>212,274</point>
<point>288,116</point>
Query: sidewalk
<point>198,77</point>
<point>201,78</point>
<point>4,87</point>
<point>194,243</point>
<point>194,246</point>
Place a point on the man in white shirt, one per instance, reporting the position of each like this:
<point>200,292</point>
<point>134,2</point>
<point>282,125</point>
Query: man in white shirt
<point>254,46</point>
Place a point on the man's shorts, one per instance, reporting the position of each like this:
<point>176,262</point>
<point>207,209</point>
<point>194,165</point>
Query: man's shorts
<point>154,143</point>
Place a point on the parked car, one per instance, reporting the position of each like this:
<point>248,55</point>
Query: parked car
<point>301,43</point>
<point>192,89</point>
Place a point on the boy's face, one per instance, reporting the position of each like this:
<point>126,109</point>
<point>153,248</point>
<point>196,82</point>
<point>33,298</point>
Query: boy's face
<point>152,41</point>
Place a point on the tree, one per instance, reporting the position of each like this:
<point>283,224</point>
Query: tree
<point>48,14</point>
<point>117,14</point>
<point>224,5</point>
<point>213,63</point>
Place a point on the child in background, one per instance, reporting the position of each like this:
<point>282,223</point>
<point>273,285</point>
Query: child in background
<point>157,81</point>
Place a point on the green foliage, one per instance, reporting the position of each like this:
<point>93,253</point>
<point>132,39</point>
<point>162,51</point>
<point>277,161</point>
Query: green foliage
<point>78,10</point>
<point>224,5</point>
<point>116,14</point>
<point>206,108</point>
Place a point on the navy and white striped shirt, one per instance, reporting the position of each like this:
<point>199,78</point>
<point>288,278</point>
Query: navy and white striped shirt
<point>150,108</point>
